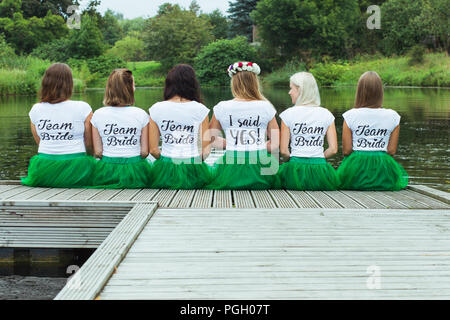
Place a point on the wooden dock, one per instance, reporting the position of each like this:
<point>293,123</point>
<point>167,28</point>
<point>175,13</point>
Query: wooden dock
<point>275,244</point>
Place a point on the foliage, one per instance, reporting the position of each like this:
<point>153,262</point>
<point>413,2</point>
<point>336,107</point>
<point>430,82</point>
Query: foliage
<point>147,73</point>
<point>112,30</point>
<point>281,76</point>
<point>176,36</point>
<point>239,15</point>
<point>88,41</point>
<point>101,66</point>
<point>56,50</point>
<point>39,8</point>
<point>133,26</point>
<point>213,60</point>
<point>129,49</point>
<point>219,22</point>
<point>27,34</point>
<point>5,49</point>
<point>417,54</point>
<point>310,27</point>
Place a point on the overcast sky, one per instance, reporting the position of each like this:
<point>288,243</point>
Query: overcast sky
<point>148,8</point>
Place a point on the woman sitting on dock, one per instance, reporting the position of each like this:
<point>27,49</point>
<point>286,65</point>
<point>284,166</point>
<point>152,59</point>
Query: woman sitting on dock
<point>61,127</point>
<point>247,121</point>
<point>370,139</point>
<point>305,126</point>
<point>182,121</point>
<point>120,134</point>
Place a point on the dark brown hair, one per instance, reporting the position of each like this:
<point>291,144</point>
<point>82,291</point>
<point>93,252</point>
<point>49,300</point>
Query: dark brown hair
<point>119,89</point>
<point>57,84</point>
<point>369,93</point>
<point>181,81</point>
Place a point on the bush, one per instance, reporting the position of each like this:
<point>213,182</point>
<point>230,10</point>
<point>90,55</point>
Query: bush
<point>213,60</point>
<point>281,76</point>
<point>327,74</point>
<point>99,67</point>
<point>5,49</point>
<point>417,55</point>
<point>56,50</point>
<point>128,49</point>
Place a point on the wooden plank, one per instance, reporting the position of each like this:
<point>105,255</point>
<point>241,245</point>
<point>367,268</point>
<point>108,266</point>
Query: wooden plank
<point>323,200</point>
<point>432,202</point>
<point>146,195</point>
<point>182,199</point>
<point>434,193</point>
<point>263,199</point>
<point>243,199</point>
<point>66,194</point>
<point>27,194</point>
<point>14,191</point>
<point>386,201</point>
<point>5,188</point>
<point>87,283</point>
<point>344,200</point>
<point>165,197</point>
<point>364,199</point>
<point>106,194</point>
<point>222,199</point>
<point>47,194</point>
<point>282,199</point>
<point>405,200</point>
<point>203,199</point>
<point>302,199</point>
<point>86,194</point>
<point>126,195</point>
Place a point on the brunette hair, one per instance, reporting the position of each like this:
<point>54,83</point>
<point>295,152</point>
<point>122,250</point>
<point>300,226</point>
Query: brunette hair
<point>181,81</point>
<point>369,93</point>
<point>119,89</point>
<point>245,85</point>
<point>57,84</point>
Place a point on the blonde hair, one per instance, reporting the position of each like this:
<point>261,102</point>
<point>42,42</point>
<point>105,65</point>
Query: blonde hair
<point>309,91</point>
<point>119,89</point>
<point>245,85</point>
<point>369,93</point>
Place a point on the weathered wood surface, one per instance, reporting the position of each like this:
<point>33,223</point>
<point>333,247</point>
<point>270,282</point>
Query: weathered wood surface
<point>287,254</point>
<point>87,283</point>
<point>415,197</point>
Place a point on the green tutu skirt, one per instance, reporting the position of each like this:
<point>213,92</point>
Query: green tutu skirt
<point>121,173</point>
<point>308,174</point>
<point>169,173</point>
<point>60,171</point>
<point>238,170</point>
<point>373,171</point>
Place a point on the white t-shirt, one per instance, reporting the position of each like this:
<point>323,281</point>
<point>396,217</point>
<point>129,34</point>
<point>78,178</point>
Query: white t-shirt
<point>179,124</point>
<point>371,128</point>
<point>308,127</point>
<point>60,126</point>
<point>245,123</point>
<point>120,129</point>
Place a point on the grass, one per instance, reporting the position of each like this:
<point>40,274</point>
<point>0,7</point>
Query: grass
<point>147,73</point>
<point>395,71</point>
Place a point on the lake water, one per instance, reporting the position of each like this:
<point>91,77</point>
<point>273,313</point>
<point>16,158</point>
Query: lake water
<point>424,135</point>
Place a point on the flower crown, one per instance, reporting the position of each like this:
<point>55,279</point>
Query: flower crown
<point>243,66</point>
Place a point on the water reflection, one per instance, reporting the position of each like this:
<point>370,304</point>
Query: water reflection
<point>424,135</point>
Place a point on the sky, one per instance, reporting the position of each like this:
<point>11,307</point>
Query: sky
<point>148,8</point>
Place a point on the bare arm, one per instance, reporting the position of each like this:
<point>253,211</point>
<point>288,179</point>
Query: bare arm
<point>88,134</point>
<point>332,142</point>
<point>205,135</point>
<point>217,141</point>
<point>154,136</point>
<point>144,142</point>
<point>273,133</point>
<point>393,141</point>
<point>35,135</point>
<point>284,141</point>
<point>98,144</point>
<point>347,141</point>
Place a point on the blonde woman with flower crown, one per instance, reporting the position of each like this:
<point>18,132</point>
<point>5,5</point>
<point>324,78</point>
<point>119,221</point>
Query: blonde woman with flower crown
<point>304,128</point>
<point>251,134</point>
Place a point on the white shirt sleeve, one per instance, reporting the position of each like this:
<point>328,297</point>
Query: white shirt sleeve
<point>331,118</point>
<point>202,112</point>
<point>144,117</point>
<point>153,112</point>
<point>348,117</point>
<point>33,114</point>
<point>94,119</point>
<point>271,112</point>
<point>285,117</point>
<point>218,112</point>
<point>85,110</point>
<point>395,118</point>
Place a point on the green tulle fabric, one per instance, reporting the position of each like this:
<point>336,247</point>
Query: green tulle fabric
<point>60,171</point>
<point>121,173</point>
<point>372,171</point>
<point>169,173</point>
<point>308,174</point>
<point>237,170</point>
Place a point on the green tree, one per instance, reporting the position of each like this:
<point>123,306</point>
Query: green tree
<point>219,22</point>
<point>176,37</point>
<point>241,23</point>
<point>304,28</point>
<point>88,41</point>
<point>129,49</point>
<point>401,26</point>
<point>9,7</point>
<point>136,25</point>
<point>213,60</point>
<point>434,18</point>
<point>39,8</point>
<point>112,31</point>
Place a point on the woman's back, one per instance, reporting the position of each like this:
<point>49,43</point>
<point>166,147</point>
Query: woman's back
<point>244,123</point>
<point>179,124</point>
<point>371,127</point>
<point>308,127</point>
<point>60,126</point>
